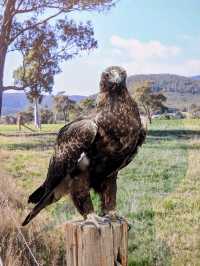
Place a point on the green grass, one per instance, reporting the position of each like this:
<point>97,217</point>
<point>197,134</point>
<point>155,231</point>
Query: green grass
<point>151,190</point>
<point>157,170</point>
<point>44,128</point>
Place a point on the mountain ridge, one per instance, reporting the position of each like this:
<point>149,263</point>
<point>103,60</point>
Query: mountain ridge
<point>168,82</point>
<point>181,91</point>
<point>17,101</point>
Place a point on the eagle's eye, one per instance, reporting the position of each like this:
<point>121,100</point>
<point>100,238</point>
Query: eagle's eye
<point>107,75</point>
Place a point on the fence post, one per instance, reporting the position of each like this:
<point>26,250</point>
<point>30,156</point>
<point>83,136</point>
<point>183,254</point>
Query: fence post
<point>87,247</point>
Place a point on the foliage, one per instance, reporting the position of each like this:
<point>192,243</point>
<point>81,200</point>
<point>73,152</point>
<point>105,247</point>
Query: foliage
<point>20,21</point>
<point>63,104</point>
<point>27,115</point>
<point>50,17</point>
<point>88,104</point>
<point>147,99</point>
<point>168,83</point>
<point>38,70</point>
<point>46,116</point>
<point>194,111</point>
<point>8,120</point>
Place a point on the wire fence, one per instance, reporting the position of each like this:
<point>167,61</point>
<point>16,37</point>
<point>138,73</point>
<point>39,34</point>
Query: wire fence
<point>4,202</point>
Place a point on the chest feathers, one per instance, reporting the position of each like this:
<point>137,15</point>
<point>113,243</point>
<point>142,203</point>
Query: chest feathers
<point>118,120</point>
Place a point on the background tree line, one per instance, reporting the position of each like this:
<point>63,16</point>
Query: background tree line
<point>64,109</point>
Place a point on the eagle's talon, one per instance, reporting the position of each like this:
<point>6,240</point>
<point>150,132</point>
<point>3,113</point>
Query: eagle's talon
<point>89,222</point>
<point>114,217</point>
<point>95,220</point>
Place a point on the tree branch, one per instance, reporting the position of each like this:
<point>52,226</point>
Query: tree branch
<point>12,87</point>
<point>35,25</point>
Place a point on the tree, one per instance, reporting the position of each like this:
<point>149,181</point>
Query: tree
<point>147,99</point>
<point>62,104</point>
<point>88,104</point>
<point>39,65</point>
<point>20,18</point>
<point>194,111</point>
<point>46,116</point>
<point>27,115</point>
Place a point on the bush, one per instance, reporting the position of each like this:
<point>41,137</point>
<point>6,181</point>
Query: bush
<point>8,120</point>
<point>46,116</point>
<point>27,115</point>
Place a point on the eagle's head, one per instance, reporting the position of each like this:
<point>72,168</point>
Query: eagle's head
<point>113,79</point>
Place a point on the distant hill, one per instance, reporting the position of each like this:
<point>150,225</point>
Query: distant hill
<point>180,91</point>
<point>196,78</point>
<point>170,83</point>
<point>15,102</point>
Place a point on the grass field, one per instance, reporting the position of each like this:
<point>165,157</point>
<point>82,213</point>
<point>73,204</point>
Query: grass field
<point>159,192</point>
<point>45,128</point>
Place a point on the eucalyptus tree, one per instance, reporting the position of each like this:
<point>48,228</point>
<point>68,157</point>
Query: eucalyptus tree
<point>39,66</point>
<point>62,104</point>
<point>147,99</point>
<point>20,18</point>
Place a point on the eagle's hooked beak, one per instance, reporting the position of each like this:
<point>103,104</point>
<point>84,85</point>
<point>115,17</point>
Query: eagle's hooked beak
<point>115,78</point>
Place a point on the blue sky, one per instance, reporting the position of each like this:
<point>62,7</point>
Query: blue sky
<point>144,36</point>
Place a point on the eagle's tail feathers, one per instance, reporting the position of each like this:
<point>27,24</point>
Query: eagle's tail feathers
<point>37,195</point>
<point>46,200</point>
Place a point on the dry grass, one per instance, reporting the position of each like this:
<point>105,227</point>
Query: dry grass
<point>46,245</point>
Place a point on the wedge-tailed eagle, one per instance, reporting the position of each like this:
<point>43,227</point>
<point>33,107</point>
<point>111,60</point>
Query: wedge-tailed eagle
<point>90,151</point>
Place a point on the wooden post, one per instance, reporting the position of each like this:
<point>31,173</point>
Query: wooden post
<point>19,122</point>
<point>87,247</point>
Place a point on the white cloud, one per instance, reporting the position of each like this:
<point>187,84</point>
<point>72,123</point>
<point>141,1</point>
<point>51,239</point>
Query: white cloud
<point>81,75</point>
<point>186,37</point>
<point>144,50</point>
<point>185,68</point>
<point>152,57</point>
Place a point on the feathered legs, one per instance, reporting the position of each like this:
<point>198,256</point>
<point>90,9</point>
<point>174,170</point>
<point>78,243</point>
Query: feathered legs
<point>108,191</point>
<point>83,203</point>
<point>81,197</point>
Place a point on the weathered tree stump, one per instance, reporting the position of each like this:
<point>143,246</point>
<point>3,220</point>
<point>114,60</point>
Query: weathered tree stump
<point>87,247</point>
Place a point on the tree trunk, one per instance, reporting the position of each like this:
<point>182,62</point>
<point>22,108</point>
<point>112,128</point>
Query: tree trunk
<point>55,118</point>
<point>5,30</point>
<point>1,100</point>
<point>148,113</point>
<point>149,117</point>
<point>65,116</point>
<point>2,64</point>
<point>36,114</point>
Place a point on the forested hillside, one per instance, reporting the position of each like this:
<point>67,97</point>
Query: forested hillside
<point>169,83</point>
<point>181,92</point>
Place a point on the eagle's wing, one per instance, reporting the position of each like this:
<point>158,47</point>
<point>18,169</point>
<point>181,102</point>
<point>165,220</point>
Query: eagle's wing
<point>73,139</point>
